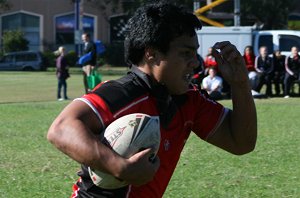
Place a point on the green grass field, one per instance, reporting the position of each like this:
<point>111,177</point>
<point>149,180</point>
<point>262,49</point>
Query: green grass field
<point>31,167</point>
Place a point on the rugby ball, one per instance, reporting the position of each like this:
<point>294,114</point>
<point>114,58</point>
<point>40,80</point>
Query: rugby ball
<point>127,135</point>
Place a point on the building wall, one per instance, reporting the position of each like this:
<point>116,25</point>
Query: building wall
<point>49,9</point>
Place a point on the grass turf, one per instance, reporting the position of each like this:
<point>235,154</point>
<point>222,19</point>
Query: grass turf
<point>31,167</point>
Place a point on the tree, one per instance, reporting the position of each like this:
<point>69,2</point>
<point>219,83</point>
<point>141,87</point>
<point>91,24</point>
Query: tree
<point>271,14</point>
<point>4,5</point>
<point>129,6</point>
<point>14,41</point>
<point>102,5</point>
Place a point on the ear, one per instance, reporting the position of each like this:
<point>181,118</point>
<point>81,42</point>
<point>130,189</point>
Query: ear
<point>152,57</point>
<point>150,54</point>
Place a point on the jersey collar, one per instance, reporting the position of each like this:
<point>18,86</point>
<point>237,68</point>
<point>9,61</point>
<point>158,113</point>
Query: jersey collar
<point>167,104</point>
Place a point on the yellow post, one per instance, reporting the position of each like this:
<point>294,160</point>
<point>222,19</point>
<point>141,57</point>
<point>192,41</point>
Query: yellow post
<point>209,21</point>
<point>209,6</point>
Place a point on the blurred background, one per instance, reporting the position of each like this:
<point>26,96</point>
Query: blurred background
<point>44,25</point>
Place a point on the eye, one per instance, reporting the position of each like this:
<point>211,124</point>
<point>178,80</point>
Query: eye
<point>188,54</point>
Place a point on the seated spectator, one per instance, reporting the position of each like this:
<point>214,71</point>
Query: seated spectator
<point>249,58</point>
<point>213,84</point>
<point>292,74</point>
<point>279,71</point>
<point>264,67</point>
<point>210,61</point>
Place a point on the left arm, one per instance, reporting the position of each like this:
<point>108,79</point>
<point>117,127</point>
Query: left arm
<point>238,132</point>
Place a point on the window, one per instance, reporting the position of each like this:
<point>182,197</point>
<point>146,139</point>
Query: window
<point>286,42</point>
<point>31,57</point>
<point>65,26</point>
<point>29,24</point>
<point>7,59</point>
<point>266,40</point>
<point>26,57</point>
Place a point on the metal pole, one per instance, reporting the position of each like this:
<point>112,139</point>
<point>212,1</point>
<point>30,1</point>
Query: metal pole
<point>237,13</point>
<point>196,5</point>
<point>78,26</point>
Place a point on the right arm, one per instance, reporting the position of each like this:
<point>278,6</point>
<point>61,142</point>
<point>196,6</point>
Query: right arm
<point>256,65</point>
<point>74,133</point>
<point>287,68</point>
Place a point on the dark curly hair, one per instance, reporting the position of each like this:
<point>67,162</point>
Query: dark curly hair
<point>155,26</point>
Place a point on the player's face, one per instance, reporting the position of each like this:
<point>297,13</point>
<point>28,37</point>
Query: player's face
<point>176,67</point>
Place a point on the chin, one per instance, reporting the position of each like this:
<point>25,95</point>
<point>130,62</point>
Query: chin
<point>180,91</point>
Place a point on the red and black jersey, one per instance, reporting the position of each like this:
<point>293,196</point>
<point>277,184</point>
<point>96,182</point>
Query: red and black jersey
<point>179,115</point>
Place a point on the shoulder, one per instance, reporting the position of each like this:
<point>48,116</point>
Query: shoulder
<point>204,79</point>
<point>118,93</point>
<point>194,94</point>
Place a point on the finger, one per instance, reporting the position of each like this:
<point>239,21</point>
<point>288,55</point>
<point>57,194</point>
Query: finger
<point>229,53</point>
<point>217,56</point>
<point>218,49</point>
<point>145,151</point>
<point>221,45</point>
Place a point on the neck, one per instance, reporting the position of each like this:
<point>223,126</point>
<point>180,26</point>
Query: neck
<point>150,71</point>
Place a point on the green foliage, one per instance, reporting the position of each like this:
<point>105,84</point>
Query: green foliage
<point>72,58</point>
<point>14,41</point>
<point>114,54</point>
<point>273,14</point>
<point>4,5</point>
<point>131,6</point>
<point>49,58</point>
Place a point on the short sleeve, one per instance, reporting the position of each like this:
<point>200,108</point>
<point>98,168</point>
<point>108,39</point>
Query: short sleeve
<point>208,117</point>
<point>98,105</point>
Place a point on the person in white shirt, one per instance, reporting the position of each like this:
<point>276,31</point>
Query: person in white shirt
<point>213,84</point>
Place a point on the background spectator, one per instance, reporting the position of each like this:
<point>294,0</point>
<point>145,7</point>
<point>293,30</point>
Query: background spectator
<point>292,67</point>
<point>213,84</point>
<point>89,47</point>
<point>210,61</point>
<point>249,58</point>
<point>62,73</point>
<point>264,67</point>
<point>279,71</point>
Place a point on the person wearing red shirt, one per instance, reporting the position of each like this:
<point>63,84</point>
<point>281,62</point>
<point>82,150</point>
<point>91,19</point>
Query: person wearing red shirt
<point>160,47</point>
<point>249,58</point>
<point>210,61</point>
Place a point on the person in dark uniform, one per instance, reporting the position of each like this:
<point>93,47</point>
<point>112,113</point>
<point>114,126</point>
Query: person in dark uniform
<point>160,47</point>
<point>292,74</point>
<point>279,71</point>
<point>62,73</point>
<point>264,67</point>
<point>88,47</point>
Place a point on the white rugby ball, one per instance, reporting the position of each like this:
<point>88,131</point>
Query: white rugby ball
<point>127,135</point>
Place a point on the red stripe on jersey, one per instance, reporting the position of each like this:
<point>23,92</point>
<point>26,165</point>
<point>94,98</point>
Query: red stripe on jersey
<point>75,189</point>
<point>130,105</point>
<point>101,107</point>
